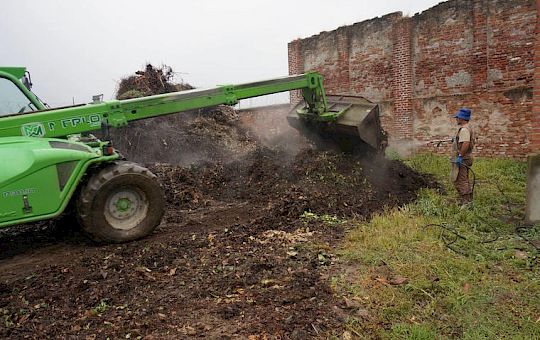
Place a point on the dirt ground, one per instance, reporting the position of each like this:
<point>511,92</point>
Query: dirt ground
<point>247,248</point>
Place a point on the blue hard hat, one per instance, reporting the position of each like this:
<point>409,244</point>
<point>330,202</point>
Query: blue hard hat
<point>463,113</point>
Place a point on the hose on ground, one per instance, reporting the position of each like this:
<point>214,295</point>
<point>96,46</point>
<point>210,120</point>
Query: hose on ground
<point>519,230</point>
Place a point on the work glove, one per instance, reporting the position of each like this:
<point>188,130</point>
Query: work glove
<point>459,160</point>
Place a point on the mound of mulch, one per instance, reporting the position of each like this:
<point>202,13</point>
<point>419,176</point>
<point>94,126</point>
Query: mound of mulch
<point>150,81</point>
<point>327,182</point>
<point>191,137</point>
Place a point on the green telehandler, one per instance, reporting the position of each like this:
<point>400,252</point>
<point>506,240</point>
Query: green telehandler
<point>49,157</point>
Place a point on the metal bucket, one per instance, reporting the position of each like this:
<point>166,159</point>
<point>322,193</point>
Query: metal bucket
<point>357,122</point>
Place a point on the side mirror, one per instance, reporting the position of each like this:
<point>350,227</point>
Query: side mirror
<point>27,80</point>
<point>98,98</point>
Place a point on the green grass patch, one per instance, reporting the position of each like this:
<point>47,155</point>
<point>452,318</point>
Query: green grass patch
<point>431,269</point>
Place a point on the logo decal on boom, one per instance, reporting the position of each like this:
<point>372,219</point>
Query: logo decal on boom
<point>33,130</point>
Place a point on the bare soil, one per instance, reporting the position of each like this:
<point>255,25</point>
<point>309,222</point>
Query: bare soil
<point>246,248</point>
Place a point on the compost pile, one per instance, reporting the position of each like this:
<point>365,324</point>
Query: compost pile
<point>150,81</point>
<point>184,138</point>
<point>247,248</point>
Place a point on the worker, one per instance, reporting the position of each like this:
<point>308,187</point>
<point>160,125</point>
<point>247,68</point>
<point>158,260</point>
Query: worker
<point>462,147</point>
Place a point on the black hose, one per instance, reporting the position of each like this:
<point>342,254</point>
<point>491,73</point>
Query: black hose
<point>474,177</point>
<point>448,243</point>
<point>518,230</point>
<point>497,234</point>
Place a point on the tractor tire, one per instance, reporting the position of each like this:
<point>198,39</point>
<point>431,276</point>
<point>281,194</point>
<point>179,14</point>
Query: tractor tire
<point>122,202</point>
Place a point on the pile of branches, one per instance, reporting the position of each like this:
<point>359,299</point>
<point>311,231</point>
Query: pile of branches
<point>152,80</point>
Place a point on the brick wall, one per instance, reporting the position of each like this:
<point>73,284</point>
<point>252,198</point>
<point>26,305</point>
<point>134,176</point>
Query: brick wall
<point>296,66</point>
<point>402,89</point>
<point>474,53</point>
<point>535,134</point>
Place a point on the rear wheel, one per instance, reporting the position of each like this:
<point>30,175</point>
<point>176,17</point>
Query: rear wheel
<point>120,203</point>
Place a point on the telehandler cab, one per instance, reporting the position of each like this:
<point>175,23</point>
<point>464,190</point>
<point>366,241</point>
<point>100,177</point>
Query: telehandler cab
<point>49,158</point>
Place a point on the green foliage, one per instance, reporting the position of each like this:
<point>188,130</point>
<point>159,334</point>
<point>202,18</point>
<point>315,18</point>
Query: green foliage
<point>468,273</point>
<point>327,219</point>
<point>413,332</point>
<point>101,307</point>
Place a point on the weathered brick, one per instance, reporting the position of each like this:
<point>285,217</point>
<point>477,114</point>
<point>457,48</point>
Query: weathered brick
<point>474,53</point>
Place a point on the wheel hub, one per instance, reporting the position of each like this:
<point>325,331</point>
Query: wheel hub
<point>123,205</point>
<point>126,208</point>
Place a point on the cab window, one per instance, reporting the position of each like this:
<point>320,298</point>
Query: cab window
<point>12,99</point>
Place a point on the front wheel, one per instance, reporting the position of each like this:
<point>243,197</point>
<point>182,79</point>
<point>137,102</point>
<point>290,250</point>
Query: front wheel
<point>120,203</point>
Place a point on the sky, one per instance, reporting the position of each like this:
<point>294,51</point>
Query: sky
<point>76,49</point>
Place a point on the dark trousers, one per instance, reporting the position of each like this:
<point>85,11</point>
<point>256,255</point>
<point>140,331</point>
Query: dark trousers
<point>462,184</point>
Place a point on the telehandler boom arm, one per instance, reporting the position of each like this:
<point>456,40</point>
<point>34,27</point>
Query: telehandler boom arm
<point>57,123</point>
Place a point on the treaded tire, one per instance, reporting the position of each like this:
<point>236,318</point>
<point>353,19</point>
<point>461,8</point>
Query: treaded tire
<point>96,209</point>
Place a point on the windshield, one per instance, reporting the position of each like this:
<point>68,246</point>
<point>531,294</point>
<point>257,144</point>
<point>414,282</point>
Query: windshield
<point>12,99</point>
